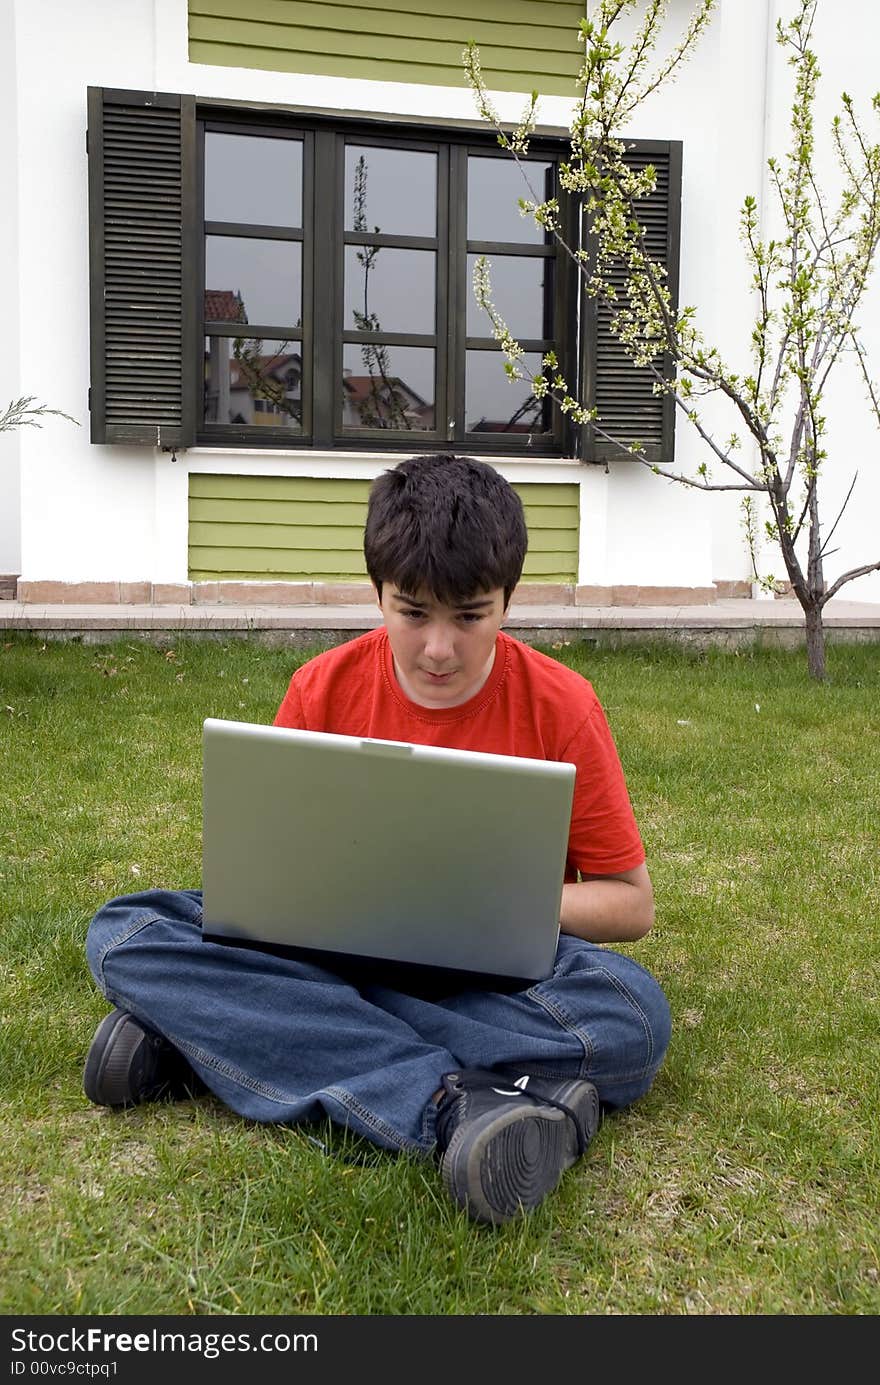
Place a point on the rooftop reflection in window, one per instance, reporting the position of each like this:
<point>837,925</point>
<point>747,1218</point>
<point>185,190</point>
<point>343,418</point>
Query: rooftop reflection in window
<point>253,383</point>
<point>253,179</point>
<point>260,279</point>
<point>497,404</point>
<point>388,387</point>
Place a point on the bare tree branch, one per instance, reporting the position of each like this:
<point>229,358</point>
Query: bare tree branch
<point>848,577</point>
<point>840,513</point>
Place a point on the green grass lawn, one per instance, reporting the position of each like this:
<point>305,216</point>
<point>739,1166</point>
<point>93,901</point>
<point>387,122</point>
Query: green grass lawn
<point>746,1182</point>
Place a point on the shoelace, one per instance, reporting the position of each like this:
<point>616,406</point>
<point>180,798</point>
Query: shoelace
<point>490,1082</point>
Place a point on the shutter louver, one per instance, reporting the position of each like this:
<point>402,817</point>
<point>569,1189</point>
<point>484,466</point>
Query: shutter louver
<point>623,393</point>
<point>141,325</point>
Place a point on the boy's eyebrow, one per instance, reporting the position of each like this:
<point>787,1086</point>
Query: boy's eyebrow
<point>479,603</point>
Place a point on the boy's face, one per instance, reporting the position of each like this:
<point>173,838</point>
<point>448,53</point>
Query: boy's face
<point>442,654</point>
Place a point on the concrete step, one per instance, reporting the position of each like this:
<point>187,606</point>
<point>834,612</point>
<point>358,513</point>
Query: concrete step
<point>731,622</point>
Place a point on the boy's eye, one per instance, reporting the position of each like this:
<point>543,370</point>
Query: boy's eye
<point>464,617</point>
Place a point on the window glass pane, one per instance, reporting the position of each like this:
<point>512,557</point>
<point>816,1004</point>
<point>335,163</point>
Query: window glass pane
<point>389,290</point>
<point>390,190</point>
<point>264,275</point>
<point>253,179</point>
<point>387,387</point>
<point>522,291</point>
<point>254,382</point>
<point>494,189</point>
<point>496,404</point>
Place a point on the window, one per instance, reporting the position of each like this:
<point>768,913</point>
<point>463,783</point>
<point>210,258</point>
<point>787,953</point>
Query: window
<point>337,300</point>
<point>265,280</point>
<point>252,306</point>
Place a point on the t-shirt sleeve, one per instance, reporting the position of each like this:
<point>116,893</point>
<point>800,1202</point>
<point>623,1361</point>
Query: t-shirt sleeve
<point>604,837</point>
<point>291,712</point>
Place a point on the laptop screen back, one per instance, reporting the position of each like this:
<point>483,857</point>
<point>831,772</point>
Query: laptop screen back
<point>381,849</point>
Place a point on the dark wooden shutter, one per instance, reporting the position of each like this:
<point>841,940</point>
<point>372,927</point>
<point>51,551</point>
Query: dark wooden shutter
<point>141,241</point>
<point>623,393</point>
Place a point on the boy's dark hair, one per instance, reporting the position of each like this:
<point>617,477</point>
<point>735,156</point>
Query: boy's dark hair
<point>450,524</point>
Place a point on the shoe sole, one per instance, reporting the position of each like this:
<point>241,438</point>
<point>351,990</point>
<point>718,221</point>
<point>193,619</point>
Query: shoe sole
<point>106,1080</point>
<point>505,1164</point>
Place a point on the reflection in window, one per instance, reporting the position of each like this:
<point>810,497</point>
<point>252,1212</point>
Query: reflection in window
<point>495,187</point>
<point>253,179</point>
<point>522,291</point>
<point>389,290</point>
<point>264,275</point>
<point>390,190</point>
<point>251,382</point>
<point>387,387</point>
<point>496,404</point>
<point>333,319</point>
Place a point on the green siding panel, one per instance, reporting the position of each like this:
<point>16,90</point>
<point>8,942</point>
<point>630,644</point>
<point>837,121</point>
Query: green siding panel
<point>264,536</point>
<point>278,487</point>
<point>266,563</point>
<point>310,529</point>
<point>336,539</point>
<point>291,512</point>
<point>524,44</point>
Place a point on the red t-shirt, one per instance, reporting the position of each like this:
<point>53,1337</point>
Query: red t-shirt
<point>530,705</point>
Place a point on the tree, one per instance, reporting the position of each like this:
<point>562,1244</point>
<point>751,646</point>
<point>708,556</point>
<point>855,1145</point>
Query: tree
<point>809,283</point>
<point>384,405</point>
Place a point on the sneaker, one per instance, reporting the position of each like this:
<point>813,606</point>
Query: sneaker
<point>505,1143</point>
<point>128,1063</point>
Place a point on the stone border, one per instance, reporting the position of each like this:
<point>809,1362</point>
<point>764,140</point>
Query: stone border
<point>51,593</point>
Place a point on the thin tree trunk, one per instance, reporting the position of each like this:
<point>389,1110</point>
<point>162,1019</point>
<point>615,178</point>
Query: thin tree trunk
<point>815,641</point>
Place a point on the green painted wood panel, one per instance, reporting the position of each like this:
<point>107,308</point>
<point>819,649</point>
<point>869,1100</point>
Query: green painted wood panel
<point>297,513</point>
<point>257,564</point>
<point>291,512</point>
<point>310,529</point>
<point>329,539</point>
<point>279,487</point>
<point>290,538</point>
<point>523,43</point>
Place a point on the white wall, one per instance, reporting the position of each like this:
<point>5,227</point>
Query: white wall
<point>110,513</point>
<point>87,512</point>
<point>847,39</point>
<point>731,107</point>
<point>10,380</point>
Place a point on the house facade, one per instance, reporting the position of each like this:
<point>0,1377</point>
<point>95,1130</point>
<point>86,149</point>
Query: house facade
<point>241,242</point>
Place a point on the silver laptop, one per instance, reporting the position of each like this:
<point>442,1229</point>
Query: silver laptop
<point>382,849</point>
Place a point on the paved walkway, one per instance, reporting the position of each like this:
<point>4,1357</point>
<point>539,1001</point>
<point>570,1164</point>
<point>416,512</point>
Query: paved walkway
<point>727,622</point>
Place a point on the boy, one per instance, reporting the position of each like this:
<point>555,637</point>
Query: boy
<point>507,1086</point>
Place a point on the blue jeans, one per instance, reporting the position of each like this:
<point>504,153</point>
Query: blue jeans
<point>282,1040</point>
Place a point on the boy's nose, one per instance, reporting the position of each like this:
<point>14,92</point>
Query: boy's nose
<point>439,644</point>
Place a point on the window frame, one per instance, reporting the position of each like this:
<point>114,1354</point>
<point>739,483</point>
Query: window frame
<point>324,335</point>
<point>271,129</point>
<point>369,437</point>
<point>146,243</point>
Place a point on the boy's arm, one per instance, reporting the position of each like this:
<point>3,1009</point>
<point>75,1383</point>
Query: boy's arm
<point>291,713</point>
<point>609,908</point>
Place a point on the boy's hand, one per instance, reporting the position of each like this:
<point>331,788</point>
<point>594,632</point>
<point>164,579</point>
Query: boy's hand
<point>609,908</point>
